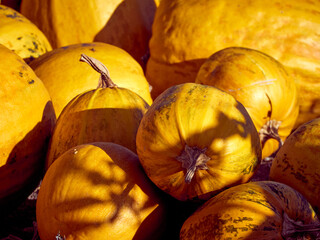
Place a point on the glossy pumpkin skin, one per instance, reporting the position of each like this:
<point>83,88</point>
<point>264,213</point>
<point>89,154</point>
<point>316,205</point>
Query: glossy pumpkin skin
<point>20,35</point>
<point>255,210</point>
<point>65,77</point>
<point>186,33</point>
<point>26,123</point>
<point>260,83</point>
<point>297,162</point>
<point>126,24</point>
<point>103,114</point>
<point>96,191</point>
<point>202,117</point>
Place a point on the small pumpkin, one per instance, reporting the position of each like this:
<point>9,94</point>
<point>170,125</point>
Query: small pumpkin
<point>257,210</point>
<point>65,77</point>
<point>108,113</point>
<point>262,85</point>
<point>98,191</point>
<point>195,140</point>
<point>21,36</point>
<point>26,123</point>
<point>297,163</point>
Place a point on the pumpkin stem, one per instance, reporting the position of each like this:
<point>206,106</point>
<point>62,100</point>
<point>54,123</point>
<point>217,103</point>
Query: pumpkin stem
<point>296,230</point>
<point>269,131</point>
<point>193,158</point>
<point>104,80</point>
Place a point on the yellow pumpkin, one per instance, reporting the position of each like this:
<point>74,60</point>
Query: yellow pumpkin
<point>126,24</point>
<point>108,113</point>
<point>262,85</point>
<point>297,163</point>
<point>195,140</point>
<point>186,33</point>
<point>97,191</point>
<point>65,77</point>
<point>263,210</point>
<point>26,123</point>
<point>20,35</point>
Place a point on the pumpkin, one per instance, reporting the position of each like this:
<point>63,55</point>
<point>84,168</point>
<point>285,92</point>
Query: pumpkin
<point>186,33</point>
<point>125,24</point>
<point>262,85</point>
<point>20,35</point>
<point>97,191</point>
<point>257,210</point>
<point>65,77</point>
<point>26,123</point>
<point>195,140</point>
<point>297,163</point>
<point>108,113</point>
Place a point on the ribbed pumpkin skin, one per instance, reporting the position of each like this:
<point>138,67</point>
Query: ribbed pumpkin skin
<point>26,122</point>
<point>103,114</point>
<point>185,33</point>
<point>297,163</point>
<point>65,76</point>
<point>204,117</point>
<point>95,191</point>
<point>253,210</point>
<point>126,24</point>
<point>260,83</point>
<point>20,35</point>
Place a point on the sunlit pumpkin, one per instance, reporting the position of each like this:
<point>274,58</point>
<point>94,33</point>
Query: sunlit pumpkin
<point>262,85</point>
<point>20,35</point>
<point>65,77</point>
<point>97,191</point>
<point>195,140</point>
<point>263,210</point>
<point>297,163</point>
<point>186,33</point>
<point>108,113</point>
<point>26,122</point>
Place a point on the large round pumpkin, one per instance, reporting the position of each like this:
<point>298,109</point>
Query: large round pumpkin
<point>97,191</point>
<point>195,140</point>
<point>263,210</point>
<point>297,163</point>
<point>262,85</point>
<point>26,122</point>
<point>108,113</point>
<point>126,24</point>
<point>20,35</point>
<point>186,33</point>
<point>65,77</point>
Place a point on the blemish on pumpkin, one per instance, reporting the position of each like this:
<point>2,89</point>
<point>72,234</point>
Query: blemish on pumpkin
<point>19,38</point>
<point>21,74</point>
<point>31,81</point>
<point>75,151</point>
<point>92,49</point>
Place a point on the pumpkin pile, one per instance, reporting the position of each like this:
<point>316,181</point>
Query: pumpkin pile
<point>161,119</point>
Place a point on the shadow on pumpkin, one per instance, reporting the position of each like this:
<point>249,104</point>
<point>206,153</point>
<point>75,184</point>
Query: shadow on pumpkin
<point>25,163</point>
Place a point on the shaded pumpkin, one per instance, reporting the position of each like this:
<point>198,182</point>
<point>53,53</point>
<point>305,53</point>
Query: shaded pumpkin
<point>125,24</point>
<point>26,123</point>
<point>257,210</point>
<point>297,163</point>
<point>108,113</point>
<point>186,33</point>
<point>195,140</point>
<point>262,85</point>
<point>65,77</point>
<point>21,36</point>
<point>98,191</point>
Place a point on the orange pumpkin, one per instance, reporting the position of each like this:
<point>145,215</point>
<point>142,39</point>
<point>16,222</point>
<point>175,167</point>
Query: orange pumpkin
<point>257,210</point>
<point>98,191</point>
<point>26,123</point>
<point>262,85</point>
<point>297,163</point>
<point>21,36</point>
<point>195,140</point>
<point>65,77</point>
<point>108,113</point>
